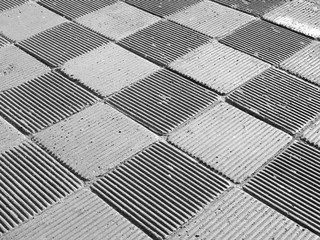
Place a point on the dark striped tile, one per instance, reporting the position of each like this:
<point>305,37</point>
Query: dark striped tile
<point>312,134</point>
<point>266,41</point>
<point>161,48</point>
<point>291,184</point>
<point>279,98</point>
<point>5,5</point>
<point>256,7</point>
<point>160,189</point>
<point>162,7</point>
<point>74,9</point>
<point>3,41</point>
<point>162,101</point>
<point>31,181</point>
<point>62,43</point>
<point>43,101</point>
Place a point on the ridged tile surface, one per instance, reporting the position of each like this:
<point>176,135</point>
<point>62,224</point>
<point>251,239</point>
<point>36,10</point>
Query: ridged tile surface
<point>62,43</point>
<point>164,48</point>
<point>256,7</point>
<point>211,18</point>
<point>9,136</point>
<point>3,41</point>
<point>231,141</point>
<point>31,181</point>
<point>219,67</point>
<point>266,41</point>
<point>237,215</point>
<point>118,20</point>
<point>109,68</point>
<point>305,63</point>
<point>312,134</point>
<point>162,101</point>
<point>291,184</point>
<point>17,67</point>
<point>160,189</point>
<point>74,9</point>
<point>95,140</point>
<point>162,7</point>
<point>43,101</point>
<point>27,20</point>
<point>83,215</point>
<point>280,98</point>
<point>5,5</point>
<point>299,15</point>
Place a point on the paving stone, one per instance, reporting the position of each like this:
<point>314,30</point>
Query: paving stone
<point>9,136</point>
<point>312,134</point>
<point>5,5</point>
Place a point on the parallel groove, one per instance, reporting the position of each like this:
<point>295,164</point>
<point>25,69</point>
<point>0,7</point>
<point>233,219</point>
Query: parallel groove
<point>231,141</point>
<point>164,48</point>
<point>280,98</point>
<point>3,41</point>
<point>31,181</point>
<point>312,134</point>
<point>95,140</point>
<point>162,101</point>
<point>43,101</point>
<point>266,41</point>
<point>290,183</point>
<point>62,43</point>
<point>237,215</point>
<point>83,215</point>
<point>5,5</point>
<point>190,183</point>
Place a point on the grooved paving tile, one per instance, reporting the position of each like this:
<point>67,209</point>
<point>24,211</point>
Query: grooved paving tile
<point>266,41</point>
<point>83,215</point>
<point>62,43</point>
<point>31,181</point>
<point>27,20</point>
<point>9,136</point>
<point>256,7</point>
<point>73,9</point>
<point>280,98</point>
<point>219,67</point>
<point>231,141</point>
<point>95,140</point>
<point>162,101</point>
<point>17,67</point>
<point>118,20</point>
<point>109,68</point>
<point>160,189</point>
<point>164,48</point>
<point>3,41</point>
<point>43,101</point>
<point>291,184</point>
<point>237,215</point>
<point>312,134</point>
<point>162,7</point>
<point>211,18</point>
<point>305,63</point>
<point>5,5</point>
<point>299,15</point>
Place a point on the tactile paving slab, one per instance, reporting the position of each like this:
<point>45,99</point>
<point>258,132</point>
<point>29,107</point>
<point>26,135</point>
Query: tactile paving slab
<point>305,63</point>
<point>42,102</point>
<point>162,101</point>
<point>153,44</point>
<point>109,68</point>
<point>31,181</point>
<point>299,15</point>
<point>62,43</point>
<point>74,9</point>
<point>9,136</point>
<point>290,184</point>
<point>83,215</point>
<point>95,140</point>
<point>160,189</point>
<point>279,98</point>
<point>27,20</point>
<point>219,67</point>
<point>312,134</point>
<point>256,7</point>
<point>17,67</point>
<point>211,18</point>
<point>162,7</point>
<point>231,141</point>
<point>118,20</point>
<point>5,5</point>
<point>3,41</point>
<point>266,41</point>
<point>237,215</point>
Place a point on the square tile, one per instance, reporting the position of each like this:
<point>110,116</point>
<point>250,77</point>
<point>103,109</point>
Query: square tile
<point>9,137</point>
<point>5,5</point>
<point>312,134</point>
<point>118,20</point>
<point>3,41</point>
<point>108,68</point>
